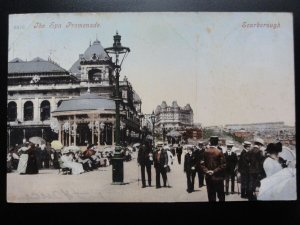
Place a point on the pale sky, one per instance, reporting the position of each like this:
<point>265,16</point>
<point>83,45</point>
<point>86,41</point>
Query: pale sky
<point>227,73</point>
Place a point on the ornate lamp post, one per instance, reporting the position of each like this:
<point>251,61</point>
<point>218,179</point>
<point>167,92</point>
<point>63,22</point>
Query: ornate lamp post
<point>120,52</point>
<point>153,125</point>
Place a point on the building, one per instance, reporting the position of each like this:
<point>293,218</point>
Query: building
<point>173,117</point>
<point>45,99</point>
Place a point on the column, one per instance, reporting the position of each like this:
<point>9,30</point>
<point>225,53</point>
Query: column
<point>98,134</point>
<point>63,137</point>
<point>20,110</point>
<point>36,110</point>
<point>59,133</point>
<point>75,131</point>
<point>93,133</point>
<point>70,134</point>
<point>113,134</point>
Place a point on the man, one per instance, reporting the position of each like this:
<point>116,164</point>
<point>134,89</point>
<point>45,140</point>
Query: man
<point>231,162</point>
<point>160,165</point>
<point>145,161</point>
<point>179,153</point>
<point>199,154</point>
<point>213,166</point>
<point>243,169</point>
<point>189,169</point>
<point>255,159</point>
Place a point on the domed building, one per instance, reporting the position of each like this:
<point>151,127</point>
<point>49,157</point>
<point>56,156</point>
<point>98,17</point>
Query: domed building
<point>41,95</point>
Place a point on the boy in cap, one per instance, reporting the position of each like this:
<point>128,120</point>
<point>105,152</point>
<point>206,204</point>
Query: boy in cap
<point>213,166</point>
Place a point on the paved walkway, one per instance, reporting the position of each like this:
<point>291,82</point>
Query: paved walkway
<point>95,186</point>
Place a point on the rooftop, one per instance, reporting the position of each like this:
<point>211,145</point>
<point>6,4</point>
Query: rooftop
<point>37,65</point>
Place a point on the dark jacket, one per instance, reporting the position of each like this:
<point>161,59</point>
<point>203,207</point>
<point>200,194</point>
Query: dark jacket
<point>144,156</point>
<point>179,150</point>
<point>189,162</point>
<point>214,160</point>
<point>255,160</point>
<point>231,161</point>
<point>199,157</point>
<point>160,158</point>
<point>243,166</point>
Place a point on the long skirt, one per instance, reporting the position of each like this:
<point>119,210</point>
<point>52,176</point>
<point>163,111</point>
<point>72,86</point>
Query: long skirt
<point>22,163</point>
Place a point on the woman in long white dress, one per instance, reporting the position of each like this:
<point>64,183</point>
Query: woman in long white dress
<point>280,183</point>
<point>23,151</point>
<point>68,161</point>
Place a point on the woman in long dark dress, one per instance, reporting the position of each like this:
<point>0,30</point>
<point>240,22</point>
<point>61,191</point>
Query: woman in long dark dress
<point>32,166</point>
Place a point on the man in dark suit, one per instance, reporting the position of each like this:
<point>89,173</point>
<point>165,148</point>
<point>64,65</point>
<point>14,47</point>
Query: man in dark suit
<point>243,169</point>
<point>199,154</point>
<point>213,166</point>
<point>160,165</point>
<point>145,160</point>
<point>179,153</point>
<point>231,161</point>
<point>189,169</point>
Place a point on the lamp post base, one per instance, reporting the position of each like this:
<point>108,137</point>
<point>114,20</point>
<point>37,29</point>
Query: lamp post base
<point>117,168</point>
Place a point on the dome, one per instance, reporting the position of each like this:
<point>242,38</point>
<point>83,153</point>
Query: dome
<point>163,105</point>
<point>174,104</point>
<point>97,49</point>
<point>187,107</point>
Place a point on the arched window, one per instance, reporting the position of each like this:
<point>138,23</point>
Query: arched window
<point>45,110</point>
<point>28,111</point>
<point>59,102</point>
<point>12,111</point>
<point>95,75</point>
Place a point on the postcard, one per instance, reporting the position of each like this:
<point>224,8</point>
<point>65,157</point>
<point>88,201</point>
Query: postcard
<point>151,107</point>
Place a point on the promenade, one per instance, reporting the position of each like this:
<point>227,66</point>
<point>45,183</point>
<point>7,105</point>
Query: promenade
<point>48,187</point>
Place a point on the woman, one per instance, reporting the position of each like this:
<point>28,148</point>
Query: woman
<point>68,161</point>
<point>273,163</point>
<point>32,164</point>
<point>23,152</point>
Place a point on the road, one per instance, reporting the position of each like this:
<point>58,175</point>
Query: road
<point>95,186</point>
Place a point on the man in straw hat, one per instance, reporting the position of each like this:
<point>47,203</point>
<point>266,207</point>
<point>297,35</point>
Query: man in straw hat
<point>231,161</point>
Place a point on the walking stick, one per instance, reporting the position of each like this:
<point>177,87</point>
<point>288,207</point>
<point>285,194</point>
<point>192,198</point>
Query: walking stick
<point>138,174</point>
<point>237,184</point>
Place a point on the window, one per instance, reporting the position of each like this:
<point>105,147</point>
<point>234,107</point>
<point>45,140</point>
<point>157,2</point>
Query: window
<point>28,111</point>
<point>12,111</point>
<point>45,110</point>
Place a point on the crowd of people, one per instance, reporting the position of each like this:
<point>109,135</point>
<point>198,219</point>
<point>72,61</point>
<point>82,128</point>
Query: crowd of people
<point>29,158</point>
<point>210,163</point>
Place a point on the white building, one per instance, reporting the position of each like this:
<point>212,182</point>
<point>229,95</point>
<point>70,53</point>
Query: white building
<point>173,116</point>
<point>37,88</point>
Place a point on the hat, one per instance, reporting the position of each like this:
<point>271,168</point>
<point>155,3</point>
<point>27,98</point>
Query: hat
<point>214,140</point>
<point>230,143</point>
<point>246,143</point>
<point>274,148</point>
<point>259,140</point>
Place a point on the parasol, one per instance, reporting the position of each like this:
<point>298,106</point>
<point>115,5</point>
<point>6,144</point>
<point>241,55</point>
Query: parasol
<point>37,140</point>
<point>57,145</point>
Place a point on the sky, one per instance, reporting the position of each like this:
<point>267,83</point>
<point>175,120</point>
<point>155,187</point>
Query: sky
<point>228,68</point>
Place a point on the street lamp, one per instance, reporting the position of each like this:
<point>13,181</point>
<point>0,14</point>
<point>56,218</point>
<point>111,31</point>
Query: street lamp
<point>153,124</point>
<point>118,51</point>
